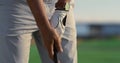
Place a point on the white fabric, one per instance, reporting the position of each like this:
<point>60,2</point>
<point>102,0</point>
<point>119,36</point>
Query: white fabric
<point>16,17</point>
<point>15,49</point>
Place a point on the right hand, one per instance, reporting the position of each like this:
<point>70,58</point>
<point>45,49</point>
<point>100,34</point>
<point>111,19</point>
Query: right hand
<point>60,4</point>
<point>51,37</point>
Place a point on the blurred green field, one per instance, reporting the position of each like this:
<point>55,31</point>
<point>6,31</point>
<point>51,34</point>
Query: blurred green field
<point>91,51</point>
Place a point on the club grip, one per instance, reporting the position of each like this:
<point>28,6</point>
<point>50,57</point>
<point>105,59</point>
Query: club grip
<point>55,55</point>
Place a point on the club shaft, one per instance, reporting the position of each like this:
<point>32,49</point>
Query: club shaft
<point>55,55</point>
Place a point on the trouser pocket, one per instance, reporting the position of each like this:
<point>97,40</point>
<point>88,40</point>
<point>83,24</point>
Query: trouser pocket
<point>58,21</point>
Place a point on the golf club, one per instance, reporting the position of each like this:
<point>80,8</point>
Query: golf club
<point>55,55</point>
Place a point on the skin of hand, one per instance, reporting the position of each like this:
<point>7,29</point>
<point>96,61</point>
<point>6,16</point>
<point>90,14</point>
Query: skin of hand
<point>61,4</point>
<point>48,33</point>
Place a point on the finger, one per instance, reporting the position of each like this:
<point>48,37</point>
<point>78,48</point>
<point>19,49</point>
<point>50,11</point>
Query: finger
<point>50,50</point>
<point>58,45</point>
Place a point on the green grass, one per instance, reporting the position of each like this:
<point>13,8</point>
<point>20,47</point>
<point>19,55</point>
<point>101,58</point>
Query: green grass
<point>99,51</point>
<point>91,51</point>
<point>34,56</point>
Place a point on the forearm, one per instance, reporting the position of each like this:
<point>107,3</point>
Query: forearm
<point>38,10</point>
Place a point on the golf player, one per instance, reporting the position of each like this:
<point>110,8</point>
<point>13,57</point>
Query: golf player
<point>19,21</point>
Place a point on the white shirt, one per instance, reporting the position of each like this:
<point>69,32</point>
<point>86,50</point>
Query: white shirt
<point>16,17</point>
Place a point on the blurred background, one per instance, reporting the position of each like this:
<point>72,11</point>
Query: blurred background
<point>98,32</point>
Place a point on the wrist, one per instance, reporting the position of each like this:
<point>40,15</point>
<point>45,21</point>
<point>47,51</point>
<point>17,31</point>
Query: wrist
<point>62,6</point>
<point>45,29</point>
<point>63,1</point>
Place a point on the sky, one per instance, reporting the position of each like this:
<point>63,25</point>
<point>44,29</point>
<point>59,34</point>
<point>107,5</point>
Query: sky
<point>97,11</point>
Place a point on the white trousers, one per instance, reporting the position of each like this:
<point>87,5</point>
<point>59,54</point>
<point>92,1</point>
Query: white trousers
<point>15,49</point>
